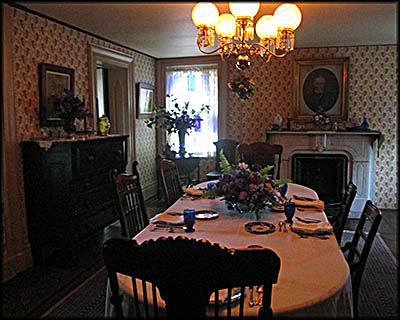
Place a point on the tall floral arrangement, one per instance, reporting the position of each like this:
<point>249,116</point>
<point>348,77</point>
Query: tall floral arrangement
<point>179,118</point>
<point>245,189</point>
<point>70,107</point>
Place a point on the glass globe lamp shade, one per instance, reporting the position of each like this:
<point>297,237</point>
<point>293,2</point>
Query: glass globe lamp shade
<point>244,8</point>
<point>226,25</point>
<point>205,14</point>
<point>288,16</point>
<point>266,27</point>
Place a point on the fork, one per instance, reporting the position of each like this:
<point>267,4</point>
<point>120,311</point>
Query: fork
<point>260,295</point>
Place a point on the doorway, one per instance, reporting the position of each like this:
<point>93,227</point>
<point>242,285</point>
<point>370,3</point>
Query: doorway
<point>112,93</point>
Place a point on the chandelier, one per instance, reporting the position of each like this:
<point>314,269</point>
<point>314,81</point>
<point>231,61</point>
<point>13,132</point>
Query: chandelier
<point>236,30</point>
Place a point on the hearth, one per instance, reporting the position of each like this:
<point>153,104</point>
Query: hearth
<point>326,173</point>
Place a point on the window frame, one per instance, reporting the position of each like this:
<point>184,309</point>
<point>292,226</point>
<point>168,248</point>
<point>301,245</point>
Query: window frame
<point>162,66</point>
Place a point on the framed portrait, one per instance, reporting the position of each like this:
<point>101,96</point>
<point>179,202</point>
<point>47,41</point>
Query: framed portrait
<point>52,82</point>
<point>321,86</point>
<point>145,100</point>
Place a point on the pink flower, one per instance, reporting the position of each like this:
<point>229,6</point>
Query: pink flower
<point>243,195</point>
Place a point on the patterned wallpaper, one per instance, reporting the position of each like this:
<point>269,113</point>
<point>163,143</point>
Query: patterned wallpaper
<point>373,89</point>
<point>37,40</point>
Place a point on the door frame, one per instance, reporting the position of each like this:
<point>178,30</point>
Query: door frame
<point>119,59</point>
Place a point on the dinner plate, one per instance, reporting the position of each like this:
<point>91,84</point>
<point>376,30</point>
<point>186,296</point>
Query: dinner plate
<point>259,227</point>
<point>206,214</point>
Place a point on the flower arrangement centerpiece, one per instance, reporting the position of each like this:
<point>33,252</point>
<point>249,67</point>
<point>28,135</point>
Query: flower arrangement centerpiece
<point>178,119</point>
<point>248,190</point>
<point>243,87</point>
<point>70,108</point>
<point>321,120</point>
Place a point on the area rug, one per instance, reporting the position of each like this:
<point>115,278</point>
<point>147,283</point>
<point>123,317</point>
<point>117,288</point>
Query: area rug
<point>378,292</point>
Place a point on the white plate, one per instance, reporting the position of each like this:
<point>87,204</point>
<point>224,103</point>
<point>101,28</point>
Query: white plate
<point>206,214</point>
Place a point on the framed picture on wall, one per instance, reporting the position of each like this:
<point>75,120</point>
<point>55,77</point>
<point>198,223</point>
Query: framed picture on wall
<point>145,100</point>
<point>52,82</point>
<point>321,86</point>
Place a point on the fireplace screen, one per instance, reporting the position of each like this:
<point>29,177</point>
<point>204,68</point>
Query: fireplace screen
<point>326,174</point>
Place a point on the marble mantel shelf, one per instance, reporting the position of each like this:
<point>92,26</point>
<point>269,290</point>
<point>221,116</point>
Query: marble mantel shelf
<point>321,132</point>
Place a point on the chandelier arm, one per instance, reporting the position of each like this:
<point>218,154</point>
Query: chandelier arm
<point>215,50</point>
<point>269,51</point>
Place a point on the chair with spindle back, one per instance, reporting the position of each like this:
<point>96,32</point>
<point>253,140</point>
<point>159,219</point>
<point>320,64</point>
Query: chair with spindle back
<point>261,154</point>
<point>360,250</point>
<point>229,149</point>
<point>132,211</point>
<point>186,272</point>
<point>170,181</point>
<point>337,213</point>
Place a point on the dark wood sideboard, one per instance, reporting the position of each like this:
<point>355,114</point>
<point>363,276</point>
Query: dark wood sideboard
<point>69,191</point>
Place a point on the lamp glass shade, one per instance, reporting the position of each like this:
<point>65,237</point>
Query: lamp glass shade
<point>266,27</point>
<point>244,8</point>
<point>226,25</point>
<point>205,14</point>
<point>288,16</point>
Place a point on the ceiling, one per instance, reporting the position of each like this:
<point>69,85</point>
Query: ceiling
<point>166,30</point>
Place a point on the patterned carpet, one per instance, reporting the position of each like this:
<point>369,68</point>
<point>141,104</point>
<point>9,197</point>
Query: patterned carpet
<point>378,298</point>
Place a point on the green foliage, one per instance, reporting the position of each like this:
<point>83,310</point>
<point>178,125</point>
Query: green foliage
<point>281,182</point>
<point>224,163</point>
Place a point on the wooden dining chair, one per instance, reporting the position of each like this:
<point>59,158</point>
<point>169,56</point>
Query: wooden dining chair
<point>186,272</point>
<point>229,149</point>
<point>131,210</point>
<point>261,154</point>
<point>337,213</point>
<point>357,252</point>
<point>170,181</point>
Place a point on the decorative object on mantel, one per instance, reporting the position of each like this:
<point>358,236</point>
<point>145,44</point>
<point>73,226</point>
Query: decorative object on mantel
<point>277,122</point>
<point>321,120</point>
<point>248,190</point>
<point>363,127</point>
<point>242,86</point>
<point>178,119</point>
<point>70,108</point>
<point>276,33</point>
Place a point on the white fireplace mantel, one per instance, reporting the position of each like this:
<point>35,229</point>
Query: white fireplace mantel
<point>358,147</point>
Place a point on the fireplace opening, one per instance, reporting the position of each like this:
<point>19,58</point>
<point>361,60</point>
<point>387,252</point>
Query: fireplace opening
<point>326,174</point>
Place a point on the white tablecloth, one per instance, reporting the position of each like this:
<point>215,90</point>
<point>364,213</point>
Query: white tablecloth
<point>314,279</point>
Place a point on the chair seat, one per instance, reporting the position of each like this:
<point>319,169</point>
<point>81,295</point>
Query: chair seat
<point>213,175</point>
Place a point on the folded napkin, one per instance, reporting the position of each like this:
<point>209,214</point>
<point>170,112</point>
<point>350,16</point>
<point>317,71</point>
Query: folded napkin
<point>193,191</point>
<point>317,227</point>
<point>165,218</point>
<point>314,203</point>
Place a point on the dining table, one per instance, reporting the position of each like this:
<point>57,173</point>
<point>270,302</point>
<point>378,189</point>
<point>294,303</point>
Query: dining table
<point>314,278</point>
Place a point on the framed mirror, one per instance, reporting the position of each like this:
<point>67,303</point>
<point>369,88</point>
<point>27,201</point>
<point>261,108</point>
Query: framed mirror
<point>52,82</point>
<point>145,100</point>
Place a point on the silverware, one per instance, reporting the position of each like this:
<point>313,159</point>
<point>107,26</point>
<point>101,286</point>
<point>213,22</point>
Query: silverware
<point>313,235</point>
<point>260,295</point>
<point>280,225</point>
<point>251,302</point>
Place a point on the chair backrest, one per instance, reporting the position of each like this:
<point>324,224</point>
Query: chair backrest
<point>229,148</point>
<point>358,251</point>
<point>344,209</point>
<point>261,154</point>
<point>132,211</point>
<point>170,181</point>
<point>187,271</point>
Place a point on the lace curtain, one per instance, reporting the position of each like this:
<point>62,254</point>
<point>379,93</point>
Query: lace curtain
<point>197,85</point>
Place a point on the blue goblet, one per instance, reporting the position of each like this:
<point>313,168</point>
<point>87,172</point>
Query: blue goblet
<point>189,219</point>
<point>283,189</point>
<point>290,208</point>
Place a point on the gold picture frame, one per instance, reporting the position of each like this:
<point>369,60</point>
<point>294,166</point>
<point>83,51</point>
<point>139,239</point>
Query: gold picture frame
<point>321,86</point>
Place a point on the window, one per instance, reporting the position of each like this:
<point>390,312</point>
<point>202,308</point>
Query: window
<point>197,85</point>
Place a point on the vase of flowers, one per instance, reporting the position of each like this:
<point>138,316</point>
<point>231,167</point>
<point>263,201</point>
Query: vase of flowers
<point>321,120</point>
<point>178,119</point>
<point>247,190</point>
<point>243,87</point>
<point>70,108</point>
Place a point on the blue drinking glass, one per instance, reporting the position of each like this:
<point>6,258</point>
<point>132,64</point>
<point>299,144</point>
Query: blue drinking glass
<point>283,189</point>
<point>210,185</point>
<point>189,219</point>
<point>290,208</point>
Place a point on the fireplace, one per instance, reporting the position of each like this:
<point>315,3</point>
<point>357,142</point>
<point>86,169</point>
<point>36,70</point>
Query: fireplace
<point>326,173</point>
<point>342,156</point>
